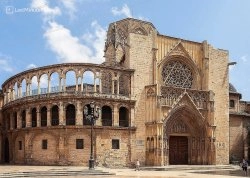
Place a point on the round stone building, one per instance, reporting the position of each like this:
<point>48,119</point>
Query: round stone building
<point>162,100</point>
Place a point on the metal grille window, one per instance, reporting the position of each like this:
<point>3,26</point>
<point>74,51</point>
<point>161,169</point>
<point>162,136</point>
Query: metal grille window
<point>115,144</point>
<point>44,144</point>
<point>79,143</point>
<point>177,74</point>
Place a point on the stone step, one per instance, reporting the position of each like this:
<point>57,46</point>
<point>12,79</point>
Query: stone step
<point>54,173</point>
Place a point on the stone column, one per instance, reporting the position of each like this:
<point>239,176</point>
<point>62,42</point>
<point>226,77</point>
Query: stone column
<point>118,87</point>
<point>115,116</point>
<point>76,83</point>
<point>38,87</point>
<point>81,85</point>
<point>19,120</point>
<point>48,84</point>
<point>132,117</point>
<point>48,116</point>
<point>61,114</point>
<point>20,91</point>
<point>60,84</point>
<point>113,86</point>
<point>38,117</point>
<point>79,114</point>
<point>28,117</point>
<point>11,120</point>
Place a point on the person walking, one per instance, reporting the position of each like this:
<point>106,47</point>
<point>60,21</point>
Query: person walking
<point>137,165</point>
<point>244,166</point>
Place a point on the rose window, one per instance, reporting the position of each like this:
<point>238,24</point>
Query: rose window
<point>177,74</point>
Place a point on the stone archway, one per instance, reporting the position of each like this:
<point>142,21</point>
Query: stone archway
<point>185,137</point>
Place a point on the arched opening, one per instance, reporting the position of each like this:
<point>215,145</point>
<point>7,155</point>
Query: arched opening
<point>44,116</point>
<point>185,131</point>
<point>88,81</point>
<point>23,119</point>
<point>123,117</point>
<point>6,151</point>
<point>44,84</point>
<point>70,81</point>
<point>85,120</point>
<point>54,82</point>
<point>124,85</point>
<point>70,115</point>
<point>34,86</point>
<point>106,116</point>
<point>15,120</point>
<point>33,118</point>
<point>23,88</point>
<point>55,115</point>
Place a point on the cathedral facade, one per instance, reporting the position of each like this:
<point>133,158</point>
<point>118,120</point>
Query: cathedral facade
<point>162,100</point>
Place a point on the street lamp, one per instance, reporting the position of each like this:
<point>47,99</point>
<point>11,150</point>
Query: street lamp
<point>91,113</point>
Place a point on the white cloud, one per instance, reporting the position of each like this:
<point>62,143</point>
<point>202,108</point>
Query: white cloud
<point>123,11</point>
<point>48,12</point>
<point>70,6</point>
<point>31,66</point>
<point>4,63</point>
<point>69,48</point>
<point>244,58</point>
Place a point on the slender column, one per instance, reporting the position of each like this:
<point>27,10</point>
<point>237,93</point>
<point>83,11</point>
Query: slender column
<point>38,87</point>
<point>61,114</point>
<point>13,94</point>
<point>132,117</point>
<point>76,83</point>
<point>118,87</point>
<point>38,118</point>
<point>11,120</point>
<point>81,84</point>
<point>4,98</point>
<point>20,91</point>
<point>100,85</point>
<point>19,120</point>
<point>60,84</point>
<point>95,84</point>
<point>79,114</point>
<point>28,117</point>
<point>113,86</point>
<point>115,116</point>
<point>64,84</point>
<point>27,89</point>
<point>48,84</point>
<point>48,116</point>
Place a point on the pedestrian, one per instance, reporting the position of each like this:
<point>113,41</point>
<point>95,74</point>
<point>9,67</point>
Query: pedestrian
<point>244,166</point>
<point>137,165</point>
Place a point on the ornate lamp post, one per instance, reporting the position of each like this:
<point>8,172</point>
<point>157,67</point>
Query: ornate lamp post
<point>91,115</point>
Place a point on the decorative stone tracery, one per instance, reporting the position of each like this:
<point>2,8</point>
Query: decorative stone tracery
<point>177,74</point>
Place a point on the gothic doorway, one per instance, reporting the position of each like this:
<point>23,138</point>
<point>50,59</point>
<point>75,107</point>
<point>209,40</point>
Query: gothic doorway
<point>6,151</point>
<point>178,150</point>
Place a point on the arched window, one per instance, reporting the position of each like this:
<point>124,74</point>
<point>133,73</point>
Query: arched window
<point>54,115</point>
<point>44,116</point>
<point>15,120</point>
<point>33,117</point>
<point>85,120</point>
<point>106,83</point>
<point>177,74</point>
<point>70,114</point>
<point>123,117</point>
<point>23,119</point>
<point>106,116</point>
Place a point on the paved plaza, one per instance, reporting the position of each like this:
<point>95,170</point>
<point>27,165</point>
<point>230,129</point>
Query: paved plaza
<point>9,171</point>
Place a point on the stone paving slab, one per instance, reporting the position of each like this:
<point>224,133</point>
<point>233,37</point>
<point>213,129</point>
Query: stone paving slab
<point>15,171</point>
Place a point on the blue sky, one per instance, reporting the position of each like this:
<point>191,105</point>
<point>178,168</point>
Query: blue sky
<point>35,33</point>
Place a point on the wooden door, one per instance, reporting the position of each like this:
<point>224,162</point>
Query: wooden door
<point>178,150</point>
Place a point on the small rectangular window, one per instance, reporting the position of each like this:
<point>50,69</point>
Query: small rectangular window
<point>44,144</point>
<point>20,145</point>
<point>231,104</point>
<point>115,144</point>
<point>79,143</point>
